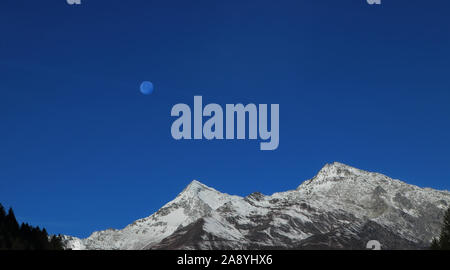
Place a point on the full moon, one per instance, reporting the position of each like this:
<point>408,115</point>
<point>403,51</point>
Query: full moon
<point>146,88</point>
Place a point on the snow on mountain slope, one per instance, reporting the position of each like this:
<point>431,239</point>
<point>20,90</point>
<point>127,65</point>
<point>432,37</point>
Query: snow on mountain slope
<point>409,210</point>
<point>341,207</point>
<point>195,201</point>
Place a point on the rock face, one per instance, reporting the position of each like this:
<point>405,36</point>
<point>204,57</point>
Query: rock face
<point>340,208</point>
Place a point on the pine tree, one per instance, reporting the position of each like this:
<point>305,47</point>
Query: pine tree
<point>443,242</point>
<point>2,213</point>
<point>11,221</point>
<point>2,228</point>
<point>24,237</point>
<point>435,244</point>
<point>56,243</point>
<point>444,238</point>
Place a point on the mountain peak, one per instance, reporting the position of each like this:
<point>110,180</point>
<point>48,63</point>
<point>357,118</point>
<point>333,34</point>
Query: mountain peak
<point>196,183</point>
<point>338,165</point>
<point>197,191</point>
<point>195,187</point>
<point>335,171</point>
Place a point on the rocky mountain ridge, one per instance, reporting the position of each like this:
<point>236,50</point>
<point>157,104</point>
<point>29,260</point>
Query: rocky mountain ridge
<point>340,208</point>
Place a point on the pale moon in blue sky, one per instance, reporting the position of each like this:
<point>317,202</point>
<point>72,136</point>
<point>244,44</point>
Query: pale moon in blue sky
<point>146,88</point>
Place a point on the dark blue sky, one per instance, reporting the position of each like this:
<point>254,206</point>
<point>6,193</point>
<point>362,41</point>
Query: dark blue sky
<point>81,149</point>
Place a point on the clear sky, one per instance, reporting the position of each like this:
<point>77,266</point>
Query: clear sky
<point>81,149</point>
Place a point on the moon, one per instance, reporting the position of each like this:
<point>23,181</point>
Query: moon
<point>146,87</point>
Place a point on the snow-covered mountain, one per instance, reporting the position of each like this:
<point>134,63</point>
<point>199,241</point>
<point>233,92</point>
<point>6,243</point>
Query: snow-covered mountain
<point>341,207</point>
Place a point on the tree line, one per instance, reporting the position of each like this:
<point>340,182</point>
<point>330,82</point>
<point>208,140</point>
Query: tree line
<point>443,241</point>
<point>24,237</point>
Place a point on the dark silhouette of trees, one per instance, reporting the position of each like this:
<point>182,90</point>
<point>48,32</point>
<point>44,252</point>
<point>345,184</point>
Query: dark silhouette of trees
<point>443,242</point>
<point>24,237</point>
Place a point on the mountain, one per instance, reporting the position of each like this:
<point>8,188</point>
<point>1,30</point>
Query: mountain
<point>340,208</point>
